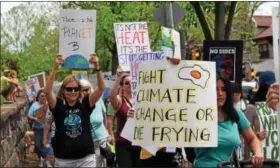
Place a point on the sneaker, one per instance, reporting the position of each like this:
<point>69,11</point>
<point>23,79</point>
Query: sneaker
<point>41,163</point>
<point>48,164</point>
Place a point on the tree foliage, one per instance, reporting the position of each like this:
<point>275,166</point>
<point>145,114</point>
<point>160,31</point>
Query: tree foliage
<point>30,31</point>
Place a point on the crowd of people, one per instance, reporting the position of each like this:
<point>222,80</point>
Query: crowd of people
<point>80,130</point>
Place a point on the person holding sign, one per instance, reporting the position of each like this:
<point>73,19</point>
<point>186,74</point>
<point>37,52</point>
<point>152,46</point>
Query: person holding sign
<point>37,113</point>
<point>231,122</point>
<point>272,97</point>
<point>126,154</point>
<point>71,111</point>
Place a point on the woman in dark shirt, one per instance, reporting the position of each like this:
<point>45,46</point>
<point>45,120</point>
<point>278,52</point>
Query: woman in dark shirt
<point>72,143</point>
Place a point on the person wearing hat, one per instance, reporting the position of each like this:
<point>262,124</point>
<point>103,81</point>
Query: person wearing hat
<point>7,85</point>
<point>272,97</point>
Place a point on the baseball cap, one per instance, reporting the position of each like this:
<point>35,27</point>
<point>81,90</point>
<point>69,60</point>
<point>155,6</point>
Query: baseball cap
<point>267,78</point>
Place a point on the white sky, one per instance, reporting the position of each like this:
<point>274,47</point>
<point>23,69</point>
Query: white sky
<point>264,9</point>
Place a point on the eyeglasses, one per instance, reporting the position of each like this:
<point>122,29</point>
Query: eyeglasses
<point>126,83</point>
<point>86,90</point>
<point>70,89</point>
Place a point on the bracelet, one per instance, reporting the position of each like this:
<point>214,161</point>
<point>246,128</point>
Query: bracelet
<point>96,70</point>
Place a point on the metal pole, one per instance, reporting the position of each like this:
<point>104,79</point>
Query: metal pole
<point>169,16</point>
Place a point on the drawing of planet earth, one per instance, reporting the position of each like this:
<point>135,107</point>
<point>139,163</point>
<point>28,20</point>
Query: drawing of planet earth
<point>76,61</point>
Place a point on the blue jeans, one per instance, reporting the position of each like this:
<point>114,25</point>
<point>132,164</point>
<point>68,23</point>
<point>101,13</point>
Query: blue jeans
<point>39,146</point>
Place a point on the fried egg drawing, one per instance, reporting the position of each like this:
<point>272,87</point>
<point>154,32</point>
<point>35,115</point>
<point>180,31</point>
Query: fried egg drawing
<point>196,74</point>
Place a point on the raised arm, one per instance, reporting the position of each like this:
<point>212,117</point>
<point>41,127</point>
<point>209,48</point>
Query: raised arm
<point>49,86</point>
<point>114,97</point>
<point>97,93</point>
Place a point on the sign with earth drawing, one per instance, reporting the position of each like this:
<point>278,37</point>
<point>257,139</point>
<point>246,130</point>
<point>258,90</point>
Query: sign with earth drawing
<point>77,37</point>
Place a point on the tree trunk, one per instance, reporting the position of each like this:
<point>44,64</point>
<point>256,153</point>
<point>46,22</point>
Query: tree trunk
<point>229,20</point>
<point>219,20</point>
<point>202,20</point>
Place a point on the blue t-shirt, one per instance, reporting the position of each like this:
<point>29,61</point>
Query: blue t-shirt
<point>98,129</point>
<point>228,139</point>
<point>35,106</point>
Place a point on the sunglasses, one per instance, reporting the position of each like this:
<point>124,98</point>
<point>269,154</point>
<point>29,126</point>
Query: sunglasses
<point>70,89</point>
<point>126,83</point>
<point>86,90</point>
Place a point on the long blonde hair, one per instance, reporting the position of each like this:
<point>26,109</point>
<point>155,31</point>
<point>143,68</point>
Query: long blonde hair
<point>67,80</point>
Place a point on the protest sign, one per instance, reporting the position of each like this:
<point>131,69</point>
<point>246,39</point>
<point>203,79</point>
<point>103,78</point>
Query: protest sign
<point>172,106</point>
<point>228,56</point>
<point>41,77</point>
<point>41,112</point>
<point>77,37</point>
<point>131,37</point>
<point>134,65</point>
<point>80,74</point>
<point>170,42</point>
<point>127,133</point>
<point>268,121</point>
<point>32,87</point>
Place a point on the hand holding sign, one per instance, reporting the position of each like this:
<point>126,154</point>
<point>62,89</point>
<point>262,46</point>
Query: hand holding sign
<point>59,59</point>
<point>130,113</point>
<point>272,96</point>
<point>119,71</point>
<point>94,60</point>
<point>173,60</point>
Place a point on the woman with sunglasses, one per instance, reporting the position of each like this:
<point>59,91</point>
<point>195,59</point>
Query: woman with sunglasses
<point>36,114</point>
<point>71,111</point>
<point>126,154</point>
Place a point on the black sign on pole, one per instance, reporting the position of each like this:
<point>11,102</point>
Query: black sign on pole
<point>228,56</point>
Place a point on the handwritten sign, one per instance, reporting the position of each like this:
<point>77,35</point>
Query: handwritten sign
<point>80,74</point>
<point>127,132</point>
<point>268,118</point>
<point>173,108</point>
<point>77,37</point>
<point>134,65</point>
<point>131,37</point>
<point>171,45</point>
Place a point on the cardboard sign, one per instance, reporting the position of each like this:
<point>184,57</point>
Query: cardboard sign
<point>137,59</point>
<point>41,112</point>
<point>228,56</point>
<point>268,119</point>
<point>32,87</point>
<point>173,108</point>
<point>170,42</point>
<point>41,77</point>
<point>131,37</point>
<point>77,37</point>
